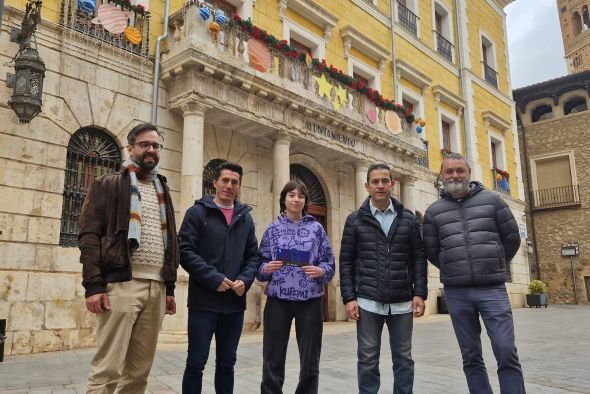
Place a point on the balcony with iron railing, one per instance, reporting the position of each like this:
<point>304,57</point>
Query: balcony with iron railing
<point>556,197</point>
<point>407,19</point>
<point>443,46</point>
<point>114,22</point>
<point>501,181</point>
<point>243,55</point>
<point>491,75</point>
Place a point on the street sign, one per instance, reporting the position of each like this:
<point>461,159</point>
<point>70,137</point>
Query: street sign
<point>571,249</point>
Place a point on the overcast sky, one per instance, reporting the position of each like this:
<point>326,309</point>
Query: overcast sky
<point>534,42</point>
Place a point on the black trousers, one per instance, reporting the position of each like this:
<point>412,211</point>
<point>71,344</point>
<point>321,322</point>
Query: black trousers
<point>278,315</point>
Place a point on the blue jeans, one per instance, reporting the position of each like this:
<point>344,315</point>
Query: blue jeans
<point>368,333</point>
<point>465,305</point>
<point>201,327</point>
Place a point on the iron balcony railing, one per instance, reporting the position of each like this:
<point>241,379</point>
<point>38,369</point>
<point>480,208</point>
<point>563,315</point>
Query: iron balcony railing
<point>443,46</point>
<point>407,18</point>
<point>81,170</point>
<point>556,197</point>
<point>501,182</point>
<point>423,160</point>
<point>491,75</point>
<point>74,18</point>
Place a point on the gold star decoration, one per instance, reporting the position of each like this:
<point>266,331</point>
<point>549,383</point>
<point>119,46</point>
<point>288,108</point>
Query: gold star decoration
<point>342,95</point>
<point>324,87</point>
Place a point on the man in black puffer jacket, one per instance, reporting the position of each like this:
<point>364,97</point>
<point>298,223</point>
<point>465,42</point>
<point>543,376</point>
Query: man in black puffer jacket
<point>470,234</point>
<point>383,280</point>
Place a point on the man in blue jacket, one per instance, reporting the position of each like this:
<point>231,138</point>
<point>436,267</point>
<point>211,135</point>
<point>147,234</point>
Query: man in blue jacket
<point>470,234</point>
<point>218,249</point>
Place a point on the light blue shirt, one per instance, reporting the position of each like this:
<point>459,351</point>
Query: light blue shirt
<point>385,219</point>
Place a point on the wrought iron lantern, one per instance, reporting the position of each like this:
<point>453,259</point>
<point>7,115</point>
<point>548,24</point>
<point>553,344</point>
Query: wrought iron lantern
<point>28,84</point>
<point>27,81</point>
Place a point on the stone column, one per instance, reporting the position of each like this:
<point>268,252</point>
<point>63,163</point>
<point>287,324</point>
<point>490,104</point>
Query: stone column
<point>191,186</point>
<point>360,178</point>
<point>280,169</point>
<point>408,192</point>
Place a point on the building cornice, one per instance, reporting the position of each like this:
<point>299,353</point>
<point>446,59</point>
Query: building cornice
<point>355,39</point>
<point>446,96</point>
<point>491,118</point>
<point>311,11</point>
<point>408,72</point>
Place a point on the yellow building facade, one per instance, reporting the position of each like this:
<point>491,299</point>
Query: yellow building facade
<point>251,89</point>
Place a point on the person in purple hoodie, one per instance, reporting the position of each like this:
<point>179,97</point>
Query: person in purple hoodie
<point>297,261</point>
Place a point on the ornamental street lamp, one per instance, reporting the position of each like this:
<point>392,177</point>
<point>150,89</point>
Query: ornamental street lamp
<point>27,81</point>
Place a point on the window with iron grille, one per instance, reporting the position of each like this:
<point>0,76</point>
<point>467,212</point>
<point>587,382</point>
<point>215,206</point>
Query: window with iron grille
<point>209,176</point>
<point>91,153</point>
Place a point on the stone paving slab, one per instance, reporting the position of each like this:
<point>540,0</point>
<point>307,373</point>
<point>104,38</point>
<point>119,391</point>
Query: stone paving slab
<point>553,344</point>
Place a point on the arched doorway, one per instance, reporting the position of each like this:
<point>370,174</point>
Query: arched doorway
<point>317,206</point>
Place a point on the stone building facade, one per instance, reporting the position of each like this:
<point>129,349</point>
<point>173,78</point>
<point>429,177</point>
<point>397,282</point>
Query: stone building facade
<point>554,135</point>
<point>213,105</point>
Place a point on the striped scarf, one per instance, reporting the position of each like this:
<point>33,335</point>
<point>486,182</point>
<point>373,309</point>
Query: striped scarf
<point>135,173</point>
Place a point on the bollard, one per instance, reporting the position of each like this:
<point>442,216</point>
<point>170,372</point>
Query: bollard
<point>2,338</point>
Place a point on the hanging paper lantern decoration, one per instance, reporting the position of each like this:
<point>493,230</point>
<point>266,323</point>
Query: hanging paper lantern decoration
<point>133,35</point>
<point>372,115</point>
<point>259,55</point>
<point>419,129</point>
<point>87,5</point>
<point>111,18</point>
<point>220,17</point>
<point>205,12</point>
<point>498,177</point>
<point>393,122</point>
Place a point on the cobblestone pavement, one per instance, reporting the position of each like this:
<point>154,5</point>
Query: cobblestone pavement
<point>553,345</point>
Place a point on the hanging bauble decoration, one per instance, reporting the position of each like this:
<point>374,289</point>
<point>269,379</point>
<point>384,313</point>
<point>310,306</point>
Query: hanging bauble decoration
<point>417,120</point>
<point>419,129</point>
<point>422,122</point>
<point>205,12</point>
<point>214,28</point>
<point>133,35</point>
<point>498,177</point>
<point>220,17</point>
<point>87,6</point>
<point>504,184</point>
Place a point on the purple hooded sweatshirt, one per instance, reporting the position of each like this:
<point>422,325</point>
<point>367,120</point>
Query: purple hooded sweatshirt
<point>297,244</point>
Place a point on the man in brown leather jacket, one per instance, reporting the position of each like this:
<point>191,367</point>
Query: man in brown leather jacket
<point>129,253</point>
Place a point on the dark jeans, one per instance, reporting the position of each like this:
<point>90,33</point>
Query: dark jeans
<point>368,333</point>
<point>465,305</point>
<point>201,327</point>
<point>278,315</point>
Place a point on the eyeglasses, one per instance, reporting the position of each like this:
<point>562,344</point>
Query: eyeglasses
<point>145,145</point>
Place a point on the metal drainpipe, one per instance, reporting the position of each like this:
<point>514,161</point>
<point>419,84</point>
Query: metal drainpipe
<point>458,28</point>
<point>394,67</point>
<point>157,63</point>
<point>531,196</point>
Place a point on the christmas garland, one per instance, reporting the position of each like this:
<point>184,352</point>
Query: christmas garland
<point>320,66</point>
<point>138,9</point>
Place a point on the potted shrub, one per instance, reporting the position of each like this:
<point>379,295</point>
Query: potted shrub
<point>537,296</point>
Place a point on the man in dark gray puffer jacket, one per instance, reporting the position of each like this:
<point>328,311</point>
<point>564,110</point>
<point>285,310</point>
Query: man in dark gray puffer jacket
<point>470,234</point>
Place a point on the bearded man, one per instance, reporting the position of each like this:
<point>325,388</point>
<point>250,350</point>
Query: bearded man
<point>470,235</point>
<point>129,253</point>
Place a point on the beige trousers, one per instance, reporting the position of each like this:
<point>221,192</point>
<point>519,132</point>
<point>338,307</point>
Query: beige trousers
<point>126,337</point>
